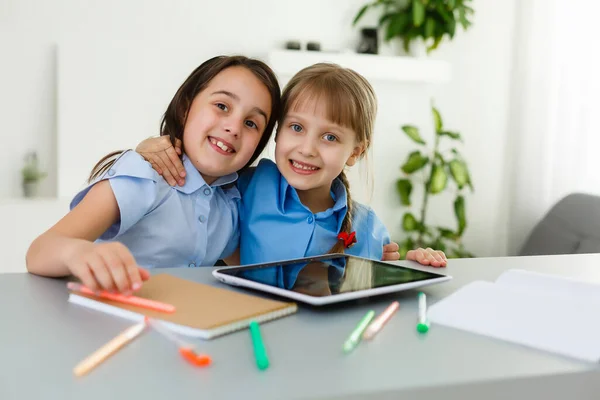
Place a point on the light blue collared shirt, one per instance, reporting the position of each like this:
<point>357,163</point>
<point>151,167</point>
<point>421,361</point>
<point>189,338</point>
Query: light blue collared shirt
<point>164,226</point>
<point>275,225</point>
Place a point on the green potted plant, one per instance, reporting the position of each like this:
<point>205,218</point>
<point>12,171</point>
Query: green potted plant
<point>432,169</point>
<point>32,175</point>
<point>427,20</point>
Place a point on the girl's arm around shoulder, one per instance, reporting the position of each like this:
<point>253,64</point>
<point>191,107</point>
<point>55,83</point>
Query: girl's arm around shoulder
<point>67,247</point>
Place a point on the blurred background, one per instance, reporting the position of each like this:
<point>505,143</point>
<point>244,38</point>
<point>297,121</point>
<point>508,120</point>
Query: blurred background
<point>514,85</point>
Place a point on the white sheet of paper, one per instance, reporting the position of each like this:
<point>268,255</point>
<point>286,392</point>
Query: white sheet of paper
<point>545,313</point>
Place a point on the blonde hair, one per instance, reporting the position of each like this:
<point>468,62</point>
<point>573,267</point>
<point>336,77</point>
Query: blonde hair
<point>350,101</point>
<point>360,276</point>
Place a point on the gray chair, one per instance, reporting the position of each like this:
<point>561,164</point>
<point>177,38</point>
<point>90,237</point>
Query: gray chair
<point>572,226</point>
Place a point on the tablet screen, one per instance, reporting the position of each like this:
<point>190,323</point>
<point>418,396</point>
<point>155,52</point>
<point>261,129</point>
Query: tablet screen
<point>327,275</point>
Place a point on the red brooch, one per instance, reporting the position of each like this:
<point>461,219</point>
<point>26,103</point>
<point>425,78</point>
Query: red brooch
<point>348,239</point>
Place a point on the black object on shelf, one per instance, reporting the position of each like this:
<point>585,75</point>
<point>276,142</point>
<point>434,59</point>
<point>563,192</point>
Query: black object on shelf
<point>313,46</point>
<point>292,45</point>
<point>368,41</point>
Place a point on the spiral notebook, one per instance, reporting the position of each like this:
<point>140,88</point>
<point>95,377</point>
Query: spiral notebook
<point>202,311</point>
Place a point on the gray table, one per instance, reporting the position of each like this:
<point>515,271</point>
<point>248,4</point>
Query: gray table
<point>42,337</point>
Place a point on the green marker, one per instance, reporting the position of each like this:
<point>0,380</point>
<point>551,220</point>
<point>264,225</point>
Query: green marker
<point>262,361</point>
<point>356,334</point>
<point>423,324</point>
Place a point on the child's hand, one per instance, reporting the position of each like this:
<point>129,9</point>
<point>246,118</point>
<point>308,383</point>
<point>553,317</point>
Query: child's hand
<point>106,266</point>
<point>390,252</point>
<point>428,256</point>
<point>164,158</point>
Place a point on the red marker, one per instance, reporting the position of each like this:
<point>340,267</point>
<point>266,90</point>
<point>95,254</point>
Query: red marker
<point>121,298</point>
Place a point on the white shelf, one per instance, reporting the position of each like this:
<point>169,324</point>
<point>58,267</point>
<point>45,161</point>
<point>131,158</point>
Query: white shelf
<point>286,63</point>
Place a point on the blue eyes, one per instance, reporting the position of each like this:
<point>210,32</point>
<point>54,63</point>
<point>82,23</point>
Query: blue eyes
<point>329,137</point>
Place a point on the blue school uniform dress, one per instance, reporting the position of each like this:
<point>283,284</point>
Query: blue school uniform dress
<point>275,225</point>
<point>163,226</point>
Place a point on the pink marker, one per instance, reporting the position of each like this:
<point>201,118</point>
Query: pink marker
<point>378,323</point>
<point>132,300</point>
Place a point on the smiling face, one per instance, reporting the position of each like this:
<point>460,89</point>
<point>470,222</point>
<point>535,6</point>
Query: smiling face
<point>225,122</point>
<point>312,151</point>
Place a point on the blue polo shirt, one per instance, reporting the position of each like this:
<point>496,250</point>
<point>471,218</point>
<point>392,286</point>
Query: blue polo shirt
<point>163,226</point>
<point>275,225</point>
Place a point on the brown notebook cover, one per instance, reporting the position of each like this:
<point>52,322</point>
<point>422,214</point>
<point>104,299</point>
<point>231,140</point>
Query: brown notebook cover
<point>201,310</point>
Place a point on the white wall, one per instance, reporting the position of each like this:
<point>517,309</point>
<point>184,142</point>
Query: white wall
<point>186,32</point>
<point>476,103</point>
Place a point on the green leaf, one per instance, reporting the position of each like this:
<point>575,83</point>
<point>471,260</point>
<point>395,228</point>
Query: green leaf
<point>427,231</point>
<point>462,17</point>
<point>360,13</point>
<point>470,184</point>
<point>405,246</point>
<point>429,27</point>
<point>459,211</point>
<point>409,222</point>
<point>397,25</point>
<point>438,245</point>
<point>460,253</point>
<point>451,4</point>
<point>439,157</point>
<point>415,162</point>
<point>451,28</point>
<point>384,18</point>
<point>437,120</point>
<point>404,187</point>
<point>442,10</point>
<point>459,172</point>
<point>454,253</point>
<point>435,44</point>
<point>453,135</point>
<point>413,133</point>
<point>418,12</point>
<point>406,44</point>
<point>447,233</point>
<point>439,179</point>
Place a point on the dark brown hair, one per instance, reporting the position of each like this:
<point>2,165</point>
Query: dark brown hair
<point>174,119</point>
<point>350,101</point>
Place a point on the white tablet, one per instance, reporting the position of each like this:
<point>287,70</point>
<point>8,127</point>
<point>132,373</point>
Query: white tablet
<point>327,279</point>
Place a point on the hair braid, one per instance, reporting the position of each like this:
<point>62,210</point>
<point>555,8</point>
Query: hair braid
<point>347,223</point>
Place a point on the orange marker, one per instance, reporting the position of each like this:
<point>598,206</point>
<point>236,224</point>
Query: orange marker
<point>108,349</point>
<point>133,300</point>
<point>185,349</point>
<point>378,323</point>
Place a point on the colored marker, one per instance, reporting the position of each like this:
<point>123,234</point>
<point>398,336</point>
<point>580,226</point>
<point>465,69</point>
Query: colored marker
<point>262,361</point>
<point>185,349</point>
<point>356,334</point>
<point>380,321</point>
<point>423,322</point>
<point>108,349</point>
<point>132,300</point>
